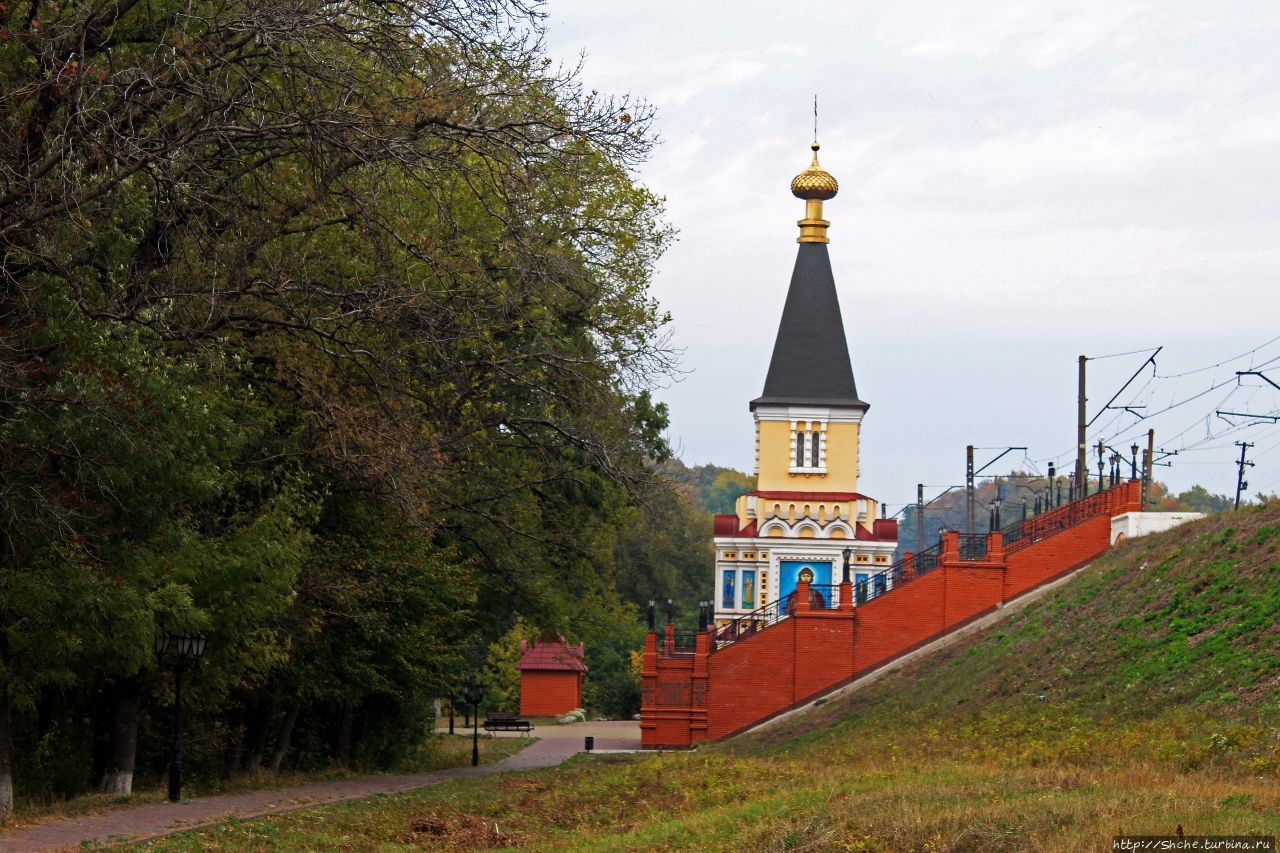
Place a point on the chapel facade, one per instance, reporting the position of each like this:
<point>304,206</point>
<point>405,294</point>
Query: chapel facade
<point>806,512</point>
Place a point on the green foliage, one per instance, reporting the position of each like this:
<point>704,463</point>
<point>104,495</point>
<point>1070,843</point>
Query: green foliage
<point>1197,499</point>
<point>613,686</point>
<point>502,679</point>
<point>345,369</point>
<point>713,489</point>
<point>666,550</point>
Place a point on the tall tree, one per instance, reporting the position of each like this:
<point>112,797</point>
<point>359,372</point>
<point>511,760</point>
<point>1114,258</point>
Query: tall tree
<point>264,259</point>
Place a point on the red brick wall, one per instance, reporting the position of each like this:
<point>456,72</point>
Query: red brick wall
<point>547,694</point>
<point>891,624</point>
<point>710,696</point>
<point>751,679</point>
<point>1045,560</point>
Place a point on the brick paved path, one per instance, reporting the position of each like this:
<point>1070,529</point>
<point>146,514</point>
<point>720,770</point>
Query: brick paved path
<point>555,744</point>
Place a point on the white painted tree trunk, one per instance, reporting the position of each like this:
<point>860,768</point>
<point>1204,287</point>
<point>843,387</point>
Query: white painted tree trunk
<point>117,778</point>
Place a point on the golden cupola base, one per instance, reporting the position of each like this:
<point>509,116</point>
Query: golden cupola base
<point>815,185</point>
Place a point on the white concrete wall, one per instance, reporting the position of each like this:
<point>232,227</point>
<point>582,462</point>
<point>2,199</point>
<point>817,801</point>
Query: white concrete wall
<point>1133,524</point>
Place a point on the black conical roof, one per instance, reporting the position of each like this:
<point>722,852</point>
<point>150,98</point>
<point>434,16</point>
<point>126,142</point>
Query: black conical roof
<point>810,364</point>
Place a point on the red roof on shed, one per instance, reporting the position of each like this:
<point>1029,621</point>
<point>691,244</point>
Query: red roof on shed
<point>546,654</point>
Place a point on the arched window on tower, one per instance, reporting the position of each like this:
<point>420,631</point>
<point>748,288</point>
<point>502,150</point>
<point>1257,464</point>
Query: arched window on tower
<point>808,448</point>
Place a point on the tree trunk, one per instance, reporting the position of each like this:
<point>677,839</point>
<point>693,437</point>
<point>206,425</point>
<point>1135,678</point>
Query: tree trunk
<point>6,755</point>
<point>342,746</point>
<point>117,775</point>
<point>235,745</point>
<point>99,718</point>
<point>282,742</point>
<point>259,724</point>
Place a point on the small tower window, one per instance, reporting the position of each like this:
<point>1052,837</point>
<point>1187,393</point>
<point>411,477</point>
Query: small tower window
<point>808,455</point>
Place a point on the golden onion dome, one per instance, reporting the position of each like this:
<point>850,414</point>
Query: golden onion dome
<point>814,183</point>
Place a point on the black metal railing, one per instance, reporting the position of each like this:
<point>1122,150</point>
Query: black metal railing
<point>874,586</point>
<point>1017,535</point>
<point>926,561</point>
<point>682,645</point>
<point>973,546</point>
<point>1055,521</point>
<point>749,624</point>
<point>824,596</point>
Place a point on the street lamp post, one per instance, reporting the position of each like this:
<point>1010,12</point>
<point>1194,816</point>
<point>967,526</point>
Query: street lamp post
<point>473,691</point>
<point>1102,480</point>
<point>188,649</point>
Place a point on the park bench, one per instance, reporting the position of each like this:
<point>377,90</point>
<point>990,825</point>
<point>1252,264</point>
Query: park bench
<point>502,721</point>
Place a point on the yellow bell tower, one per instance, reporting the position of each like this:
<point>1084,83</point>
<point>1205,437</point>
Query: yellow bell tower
<point>808,417</point>
<point>806,512</point>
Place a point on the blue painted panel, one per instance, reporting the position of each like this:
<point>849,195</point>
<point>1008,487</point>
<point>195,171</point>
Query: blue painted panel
<point>789,571</point>
<point>728,600</point>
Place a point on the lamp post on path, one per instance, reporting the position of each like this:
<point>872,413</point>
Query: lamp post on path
<point>473,693</point>
<point>188,649</point>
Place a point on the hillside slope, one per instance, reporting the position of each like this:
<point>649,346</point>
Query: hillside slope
<point>1158,634</point>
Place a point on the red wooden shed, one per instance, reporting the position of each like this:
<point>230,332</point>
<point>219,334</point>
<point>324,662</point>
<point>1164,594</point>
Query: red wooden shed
<point>551,675</point>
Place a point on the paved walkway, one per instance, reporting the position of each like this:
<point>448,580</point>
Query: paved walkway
<point>554,745</point>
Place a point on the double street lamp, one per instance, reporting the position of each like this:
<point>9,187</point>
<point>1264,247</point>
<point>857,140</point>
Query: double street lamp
<point>187,650</point>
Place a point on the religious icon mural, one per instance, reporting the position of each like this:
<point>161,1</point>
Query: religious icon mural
<point>790,572</point>
<point>728,601</point>
<point>748,589</point>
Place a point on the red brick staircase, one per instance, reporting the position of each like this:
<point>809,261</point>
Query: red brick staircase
<point>788,653</point>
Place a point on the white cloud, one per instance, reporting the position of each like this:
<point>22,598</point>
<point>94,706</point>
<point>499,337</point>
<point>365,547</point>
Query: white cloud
<point>1041,34</point>
<point>1019,182</point>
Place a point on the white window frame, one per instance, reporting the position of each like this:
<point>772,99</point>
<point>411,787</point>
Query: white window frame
<point>808,447</point>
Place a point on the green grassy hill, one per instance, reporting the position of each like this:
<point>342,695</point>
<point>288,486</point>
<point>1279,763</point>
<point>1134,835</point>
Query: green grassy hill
<point>1163,636</point>
<point>1139,697</point>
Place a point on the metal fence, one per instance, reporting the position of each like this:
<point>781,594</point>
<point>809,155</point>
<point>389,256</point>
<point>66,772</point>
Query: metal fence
<point>926,561</point>
<point>824,596</point>
<point>1033,530</point>
<point>682,645</point>
<point>973,546</point>
<point>749,624</point>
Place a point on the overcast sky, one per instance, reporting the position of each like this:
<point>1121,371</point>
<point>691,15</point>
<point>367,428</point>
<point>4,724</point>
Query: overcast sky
<point>1020,183</point>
